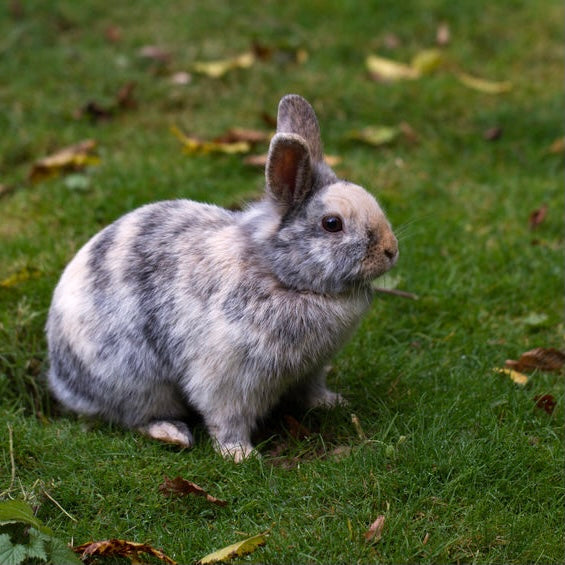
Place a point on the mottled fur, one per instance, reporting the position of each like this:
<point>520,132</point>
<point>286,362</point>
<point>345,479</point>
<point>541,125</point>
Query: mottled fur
<point>182,306</point>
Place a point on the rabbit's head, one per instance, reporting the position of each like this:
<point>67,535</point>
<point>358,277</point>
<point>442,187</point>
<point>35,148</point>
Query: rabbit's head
<point>332,235</point>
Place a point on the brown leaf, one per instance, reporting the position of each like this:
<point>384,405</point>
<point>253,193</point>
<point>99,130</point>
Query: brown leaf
<point>443,35</point>
<point>72,158</point>
<point>120,548</point>
<point>558,146</point>
<point>181,487</point>
<point>546,402</point>
<point>538,216</point>
<point>155,53</point>
<point>492,134</point>
<point>113,34</point>
<point>375,531</point>
<point>252,136</point>
<point>124,98</point>
<point>544,359</point>
<point>295,428</point>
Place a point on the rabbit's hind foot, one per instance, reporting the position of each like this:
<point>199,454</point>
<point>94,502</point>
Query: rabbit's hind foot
<point>169,431</point>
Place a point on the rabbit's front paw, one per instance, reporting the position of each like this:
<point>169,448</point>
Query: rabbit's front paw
<point>237,451</point>
<point>169,431</point>
<point>325,398</point>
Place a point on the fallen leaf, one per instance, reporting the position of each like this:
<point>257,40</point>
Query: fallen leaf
<point>19,277</point>
<point>72,158</point>
<point>256,160</point>
<point>182,487</point>
<point>279,54</point>
<point>544,359</point>
<point>154,53</point>
<point>426,539</point>
<point>375,531</point>
<point>195,146</point>
<point>558,146</point>
<point>482,85</point>
<point>536,319</point>
<point>238,549</point>
<point>120,548</point>
<point>391,41</point>
<point>295,428</point>
<point>427,61</point>
<point>492,134</point>
<point>217,69</point>
<point>538,216</point>
<point>443,34</point>
<point>181,78</point>
<point>546,402</point>
<point>113,34</point>
<point>252,136</point>
<point>515,376</point>
<point>375,135</point>
<point>6,188</point>
<point>387,70</point>
<point>125,98</point>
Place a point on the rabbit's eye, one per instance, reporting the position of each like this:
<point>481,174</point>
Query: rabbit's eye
<point>332,223</point>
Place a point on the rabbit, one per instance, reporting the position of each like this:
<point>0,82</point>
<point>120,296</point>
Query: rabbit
<point>181,307</point>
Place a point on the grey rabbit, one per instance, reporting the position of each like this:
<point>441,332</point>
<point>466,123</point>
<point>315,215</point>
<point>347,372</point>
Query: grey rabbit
<point>181,307</point>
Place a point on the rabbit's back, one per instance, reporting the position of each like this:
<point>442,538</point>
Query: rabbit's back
<point>118,326</point>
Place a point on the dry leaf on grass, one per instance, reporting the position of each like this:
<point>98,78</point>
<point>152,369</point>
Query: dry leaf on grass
<point>154,53</point>
<point>546,402</point>
<point>387,70</point>
<point>195,146</point>
<point>20,276</point>
<point>72,158</point>
<point>443,34</point>
<point>482,85</point>
<point>120,548</point>
<point>238,549</point>
<point>181,487</point>
<point>558,146</point>
<point>217,69</point>
<point>515,376</point>
<point>375,531</point>
<point>234,135</point>
<point>427,61</point>
<point>538,216</point>
<point>544,359</point>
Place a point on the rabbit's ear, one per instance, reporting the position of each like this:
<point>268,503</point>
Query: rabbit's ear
<point>295,115</point>
<point>289,169</point>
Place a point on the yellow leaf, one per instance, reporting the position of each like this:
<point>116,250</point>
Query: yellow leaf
<point>390,71</point>
<point>558,146</point>
<point>376,135</point>
<point>518,378</point>
<point>482,85</point>
<point>195,146</point>
<point>238,549</point>
<point>427,61</point>
<point>20,276</point>
<point>216,69</point>
<point>72,158</point>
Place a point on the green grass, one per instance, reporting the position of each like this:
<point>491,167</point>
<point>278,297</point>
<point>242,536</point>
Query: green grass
<point>455,455</point>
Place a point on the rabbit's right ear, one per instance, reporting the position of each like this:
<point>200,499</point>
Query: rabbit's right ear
<point>295,115</point>
<point>289,170</point>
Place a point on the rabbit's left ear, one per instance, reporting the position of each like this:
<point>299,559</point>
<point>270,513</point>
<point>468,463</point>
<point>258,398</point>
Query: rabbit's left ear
<point>289,169</point>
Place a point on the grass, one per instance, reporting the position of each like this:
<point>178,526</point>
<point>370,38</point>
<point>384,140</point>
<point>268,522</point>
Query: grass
<point>459,460</point>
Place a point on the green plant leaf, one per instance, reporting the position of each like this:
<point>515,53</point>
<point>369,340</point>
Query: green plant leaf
<point>60,552</point>
<point>36,547</point>
<point>12,511</point>
<point>11,554</point>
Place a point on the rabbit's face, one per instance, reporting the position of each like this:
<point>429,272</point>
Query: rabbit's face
<point>337,239</point>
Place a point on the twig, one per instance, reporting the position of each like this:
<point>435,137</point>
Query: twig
<point>59,506</point>
<point>12,462</point>
<point>401,293</point>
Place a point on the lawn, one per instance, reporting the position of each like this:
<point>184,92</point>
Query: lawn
<point>461,463</point>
